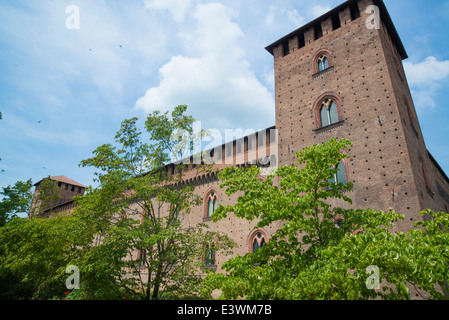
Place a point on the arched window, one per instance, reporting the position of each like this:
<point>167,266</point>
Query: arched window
<point>338,220</point>
<point>257,240</point>
<point>323,63</point>
<point>322,60</point>
<point>210,255</point>
<point>328,113</point>
<point>340,176</point>
<point>327,110</point>
<point>211,203</point>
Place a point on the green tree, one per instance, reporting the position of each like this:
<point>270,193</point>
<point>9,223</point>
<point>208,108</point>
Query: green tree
<point>17,200</point>
<point>128,213</point>
<point>34,254</point>
<point>310,256</point>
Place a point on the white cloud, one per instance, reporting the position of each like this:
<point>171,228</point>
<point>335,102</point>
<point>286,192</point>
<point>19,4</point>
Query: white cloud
<point>177,8</point>
<point>276,14</point>
<point>429,71</point>
<point>215,80</point>
<point>271,15</point>
<point>318,10</point>
<point>294,16</point>
<point>425,78</point>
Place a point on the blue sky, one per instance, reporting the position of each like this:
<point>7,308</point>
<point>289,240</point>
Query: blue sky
<point>64,92</point>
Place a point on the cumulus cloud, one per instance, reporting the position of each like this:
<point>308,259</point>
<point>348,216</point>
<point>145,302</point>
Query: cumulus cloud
<point>276,13</point>
<point>215,80</point>
<point>177,8</point>
<point>318,10</point>
<point>425,79</point>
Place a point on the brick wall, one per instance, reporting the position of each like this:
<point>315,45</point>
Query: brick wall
<point>366,76</point>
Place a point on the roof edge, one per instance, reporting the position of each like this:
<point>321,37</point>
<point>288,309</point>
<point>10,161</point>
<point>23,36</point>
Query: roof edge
<point>385,16</point>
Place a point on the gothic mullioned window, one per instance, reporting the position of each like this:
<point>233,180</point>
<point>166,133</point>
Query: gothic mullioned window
<point>257,240</point>
<point>327,110</point>
<point>328,113</point>
<point>340,176</point>
<point>323,63</point>
<point>322,60</point>
<point>211,203</point>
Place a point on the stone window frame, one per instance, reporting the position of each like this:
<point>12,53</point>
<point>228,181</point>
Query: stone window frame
<point>319,56</point>
<point>253,236</point>
<point>212,193</point>
<point>346,164</point>
<point>316,109</point>
<point>329,105</point>
<point>339,220</point>
<point>335,178</point>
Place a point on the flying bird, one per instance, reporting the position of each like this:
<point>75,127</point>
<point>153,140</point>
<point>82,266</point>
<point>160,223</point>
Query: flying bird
<point>121,46</point>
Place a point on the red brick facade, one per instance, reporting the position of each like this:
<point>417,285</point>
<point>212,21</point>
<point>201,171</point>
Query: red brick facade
<point>68,189</point>
<point>389,164</point>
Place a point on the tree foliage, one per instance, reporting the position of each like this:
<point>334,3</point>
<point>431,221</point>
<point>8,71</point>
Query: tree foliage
<point>17,200</point>
<point>310,256</point>
<point>128,212</point>
<point>34,254</point>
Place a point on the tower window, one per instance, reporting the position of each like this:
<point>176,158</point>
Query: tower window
<point>323,63</point>
<point>340,176</point>
<point>212,203</point>
<point>328,113</point>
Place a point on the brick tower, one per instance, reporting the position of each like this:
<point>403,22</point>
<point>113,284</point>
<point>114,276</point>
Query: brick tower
<point>68,189</point>
<point>341,75</point>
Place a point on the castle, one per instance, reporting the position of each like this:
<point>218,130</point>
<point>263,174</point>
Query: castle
<point>340,75</point>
